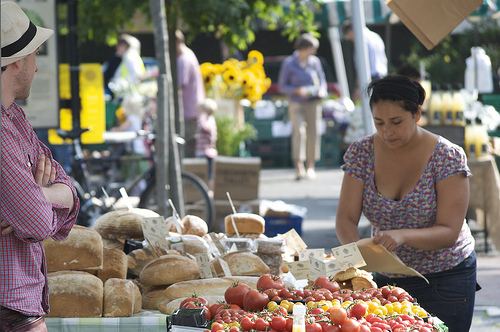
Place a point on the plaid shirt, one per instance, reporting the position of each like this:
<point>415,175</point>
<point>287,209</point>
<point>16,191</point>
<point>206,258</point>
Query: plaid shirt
<point>23,276</point>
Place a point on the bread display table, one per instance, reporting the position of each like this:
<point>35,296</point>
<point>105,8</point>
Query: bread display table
<point>485,196</point>
<point>144,321</point>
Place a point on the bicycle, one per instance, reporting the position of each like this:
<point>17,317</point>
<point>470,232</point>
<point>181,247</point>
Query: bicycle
<point>95,180</point>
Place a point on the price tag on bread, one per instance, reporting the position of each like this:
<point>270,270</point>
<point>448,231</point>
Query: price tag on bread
<point>348,256</point>
<point>304,255</point>
<point>322,267</point>
<point>155,232</point>
<point>205,266</point>
<point>299,270</point>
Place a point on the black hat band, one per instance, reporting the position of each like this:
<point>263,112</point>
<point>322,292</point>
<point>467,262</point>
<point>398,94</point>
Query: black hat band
<point>21,43</point>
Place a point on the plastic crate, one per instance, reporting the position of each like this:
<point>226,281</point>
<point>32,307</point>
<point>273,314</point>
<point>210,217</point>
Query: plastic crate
<point>281,224</point>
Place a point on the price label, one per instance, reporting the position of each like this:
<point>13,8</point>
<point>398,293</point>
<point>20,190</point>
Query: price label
<point>225,267</point>
<point>304,255</point>
<point>155,232</point>
<point>294,241</point>
<point>348,256</point>
<point>299,270</point>
<point>176,243</point>
<point>204,265</point>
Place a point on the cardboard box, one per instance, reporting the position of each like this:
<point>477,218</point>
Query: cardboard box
<point>223,208</point>
<point>237,176</point>
<point>198,167</point>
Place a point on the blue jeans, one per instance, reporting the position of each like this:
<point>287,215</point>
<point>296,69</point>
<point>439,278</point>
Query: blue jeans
<point>449,295</point>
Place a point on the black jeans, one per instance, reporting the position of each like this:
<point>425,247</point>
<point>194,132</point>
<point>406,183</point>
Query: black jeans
<point>449,295</point>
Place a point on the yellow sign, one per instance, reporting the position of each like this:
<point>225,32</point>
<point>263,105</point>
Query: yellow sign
<point>92,114</point>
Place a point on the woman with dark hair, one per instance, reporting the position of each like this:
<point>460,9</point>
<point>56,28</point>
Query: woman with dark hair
<point>413,187</point>
<point>303,80</point>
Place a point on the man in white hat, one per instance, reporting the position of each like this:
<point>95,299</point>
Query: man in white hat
<point>37,199</point>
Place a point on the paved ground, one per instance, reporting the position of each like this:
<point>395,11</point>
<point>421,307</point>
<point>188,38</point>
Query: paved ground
<point>320,197</point>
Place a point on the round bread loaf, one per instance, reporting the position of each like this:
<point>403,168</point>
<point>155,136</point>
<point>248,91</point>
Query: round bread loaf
<point>81,250</point>
<point>242,263</point>
<point>138,258</point>
<point>245,223</point>
<point>169,269</point>
<point>194,225</point>
<point>114,265</point>
<point>120,298</point>
<point>123,224</point>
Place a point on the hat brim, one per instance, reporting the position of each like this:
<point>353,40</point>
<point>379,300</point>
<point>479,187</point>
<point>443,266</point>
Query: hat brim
<point>41,36</point>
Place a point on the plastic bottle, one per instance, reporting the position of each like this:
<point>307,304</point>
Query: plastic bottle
<point>447,105</point>
<point>469,138</point>
<point>459,105</point>
<point>481,138</point>
<point>435,106</point>
<point>299,318</point>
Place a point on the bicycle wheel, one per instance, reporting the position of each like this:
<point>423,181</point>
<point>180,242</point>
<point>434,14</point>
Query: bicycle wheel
<point>197,200</point>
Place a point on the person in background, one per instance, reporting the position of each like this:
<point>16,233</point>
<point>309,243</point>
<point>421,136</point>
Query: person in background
<point>37,199</point>
<point>409,71</point>
<point>302,79</point>
<point>192,89</point>
<point>206,135</point>
<point>413,187</point>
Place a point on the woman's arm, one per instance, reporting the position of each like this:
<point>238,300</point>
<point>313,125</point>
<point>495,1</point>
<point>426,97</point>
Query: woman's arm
<point>349,209</point>
<point>452,201</point>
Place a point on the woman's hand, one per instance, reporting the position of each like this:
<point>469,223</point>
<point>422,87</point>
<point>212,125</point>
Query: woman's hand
<point>390,239</point>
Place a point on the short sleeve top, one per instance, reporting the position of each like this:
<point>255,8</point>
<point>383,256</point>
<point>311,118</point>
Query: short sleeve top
<point>415,210</point>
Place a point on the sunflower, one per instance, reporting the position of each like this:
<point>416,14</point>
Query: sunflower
<point>255,57</point>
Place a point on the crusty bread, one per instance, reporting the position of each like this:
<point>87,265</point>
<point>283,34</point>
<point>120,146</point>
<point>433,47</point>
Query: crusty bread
<point>152,296</point>
<point>120,298</point>
<point>194,225</point>
<point>167,306</point>
<point>123,224</point>
<point>242,263</point>
<point>169,269</point>
<point>359,283</point>
<point>114,265</point>
<point>354,279</point>
<point>245,223</point>
<point>81,250</point>
<point>138,258</point>
<point>75,294</point>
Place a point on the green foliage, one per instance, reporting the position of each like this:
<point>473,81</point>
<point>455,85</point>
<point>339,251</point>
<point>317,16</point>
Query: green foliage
<point>230,135</point>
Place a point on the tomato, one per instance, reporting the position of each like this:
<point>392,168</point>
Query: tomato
<point>327,282</point>
<point>228,307</point>
<point>234,329</point>
<point>217,327</point>
<point>350,325</point>
<point>268,280</point>
<point>194,298</point>
<point>375,329</point>
<point>261,324</point>
<point>359,309</point>
<point>195,305</point>
<point>424,329</point>
<point>280,311</point>
<point>331,328</point>
<point>316,311</point>
<point>362,328</point>
<point>314,327</point>
<point>289,324</point>
<point>213,308</point>
<point>278,323</point>
<point>247,324</point>
<point>235,293</point>
<point>255,300</point>
<point>338,315</point>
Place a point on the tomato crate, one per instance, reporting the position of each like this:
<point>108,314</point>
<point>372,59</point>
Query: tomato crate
<point>281,224</point>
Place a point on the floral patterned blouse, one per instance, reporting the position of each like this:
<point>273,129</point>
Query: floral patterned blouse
<point>415,210</point>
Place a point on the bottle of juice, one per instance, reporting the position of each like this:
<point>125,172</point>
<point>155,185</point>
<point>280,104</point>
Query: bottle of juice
<point>481,139</point>
<point>447,105</point>
<point>435,107</point>
<point>459,105</point>
<point>299,318</point>
<point>470,142</point>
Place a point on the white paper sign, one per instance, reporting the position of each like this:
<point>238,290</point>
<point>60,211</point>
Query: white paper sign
<point>155,232</point>
<point>348,256</point>
<point>204,266</point>
<point>299,270</point>
<point>225,267</point>
<point>304,255</point>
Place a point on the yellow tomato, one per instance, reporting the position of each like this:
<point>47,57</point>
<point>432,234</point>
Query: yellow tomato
<point>272,305</point>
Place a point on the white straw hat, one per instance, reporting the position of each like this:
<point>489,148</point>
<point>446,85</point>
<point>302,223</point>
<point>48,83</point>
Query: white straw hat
<point>20,37</point>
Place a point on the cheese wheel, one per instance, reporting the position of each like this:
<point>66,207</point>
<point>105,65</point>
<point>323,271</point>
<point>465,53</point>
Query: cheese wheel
<point>120,297</point>
<point>242,263</point>
<point>114,265</point>
<point>169,269</point>
<point>245,223</point>
<point>123,224</point>
<point>81,250</point>
<point>75,294</point>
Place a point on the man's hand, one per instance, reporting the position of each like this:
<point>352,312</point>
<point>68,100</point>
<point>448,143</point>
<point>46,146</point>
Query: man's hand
<point>6,228</point>
<point>45,173</point>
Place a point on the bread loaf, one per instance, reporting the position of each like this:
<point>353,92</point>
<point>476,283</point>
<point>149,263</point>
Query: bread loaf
<point>242,263</point>
<point>168,307</point>
<point>245,223</point>
<point>169,269</point>
<point>138,258</point>
<point>152,296</point>
<point>123,224</point>
<point>120,298</point>
<point>113,243</point>
<point>114,265</point>
<point>360,283</point>
<point>75,294</point>
<point>81,250</point>
<point>192,244</point>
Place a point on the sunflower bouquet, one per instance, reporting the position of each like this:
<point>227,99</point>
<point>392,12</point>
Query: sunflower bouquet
<point>235,79</point>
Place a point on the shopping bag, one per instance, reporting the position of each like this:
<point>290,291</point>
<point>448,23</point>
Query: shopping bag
<point>432,20</point>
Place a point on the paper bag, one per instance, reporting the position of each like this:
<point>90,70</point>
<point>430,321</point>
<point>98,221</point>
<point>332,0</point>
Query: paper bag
<point>432,20</point>
<point>379,259</point>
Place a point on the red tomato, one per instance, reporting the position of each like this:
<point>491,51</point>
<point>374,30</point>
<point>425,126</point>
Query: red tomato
<point>327,282</point>
<point>386,291</point>
<point>255,300</point>
<point>278,323</point>
<point>213,308</point>
<point>359,309</point>
<point>217,327</point>
<point>338,315</point>
<point>194,305</point>
<point>289,324</point>
<point>234,329</point>
<point>362,328</point>
<point>424,329</point>
<point>280,311</point>
<point>235,293</point>
<point>228,307</point>
<point>261,325</point>
<point>247,324</point>
<point>194,298</point>
<point>268,280</point>
<point>316,311</point>
<point>350,325</point>
<point>375,329</point>
<point>332,328</point>
<point>314,327</point>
